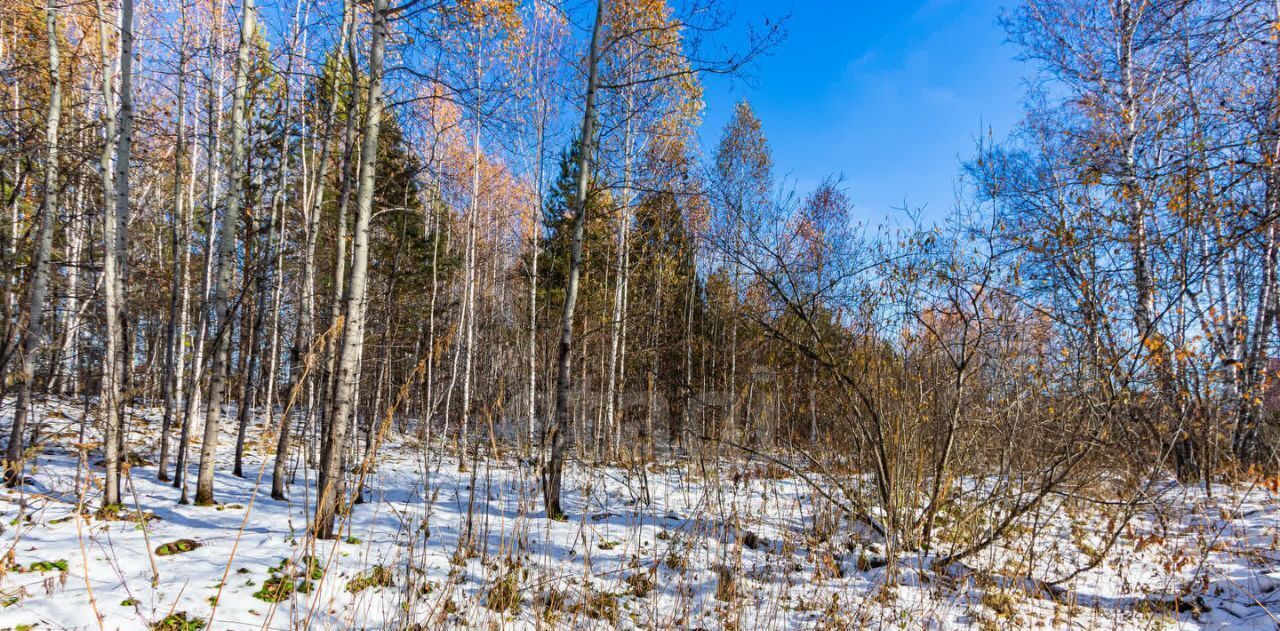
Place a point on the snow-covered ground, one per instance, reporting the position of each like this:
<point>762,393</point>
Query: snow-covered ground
<point>732,546</point>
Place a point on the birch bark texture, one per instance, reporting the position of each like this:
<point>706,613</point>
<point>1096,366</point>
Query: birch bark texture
<point>556,439</point>
<point>352,342</point>
<point>223,309</point>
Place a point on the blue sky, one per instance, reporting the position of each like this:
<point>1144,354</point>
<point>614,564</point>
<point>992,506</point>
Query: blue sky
<point>891,95</point>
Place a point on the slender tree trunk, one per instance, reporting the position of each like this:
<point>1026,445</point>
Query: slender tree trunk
<point>617,328</point>
<point>353,331</point>
<point>349,156</point>
<point>213,127</point>
<point>178,242</point>
<point>226,261</point>
<point>434,215</point>
<point>279,222</point>
<point>9,237</point>
<point>681,423</point>
<point>556,439</point>
<point>112,387</point>
<point>124,200</point>
<point>469,289</point>
<point>67,380</point>
<point>535,250</point>
<point>34,332</point>
<point>253,362</point>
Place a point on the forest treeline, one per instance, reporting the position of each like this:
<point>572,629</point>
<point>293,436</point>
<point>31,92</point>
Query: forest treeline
<point>491,225</point>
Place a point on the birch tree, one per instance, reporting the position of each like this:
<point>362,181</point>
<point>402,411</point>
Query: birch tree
<point>329,499</point>
<point>33,334</point>
<point>222,306</point>
<point>178,242</point>
<point>556,440</point>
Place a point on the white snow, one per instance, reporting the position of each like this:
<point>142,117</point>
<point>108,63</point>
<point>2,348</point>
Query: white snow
<point>617,562</point>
